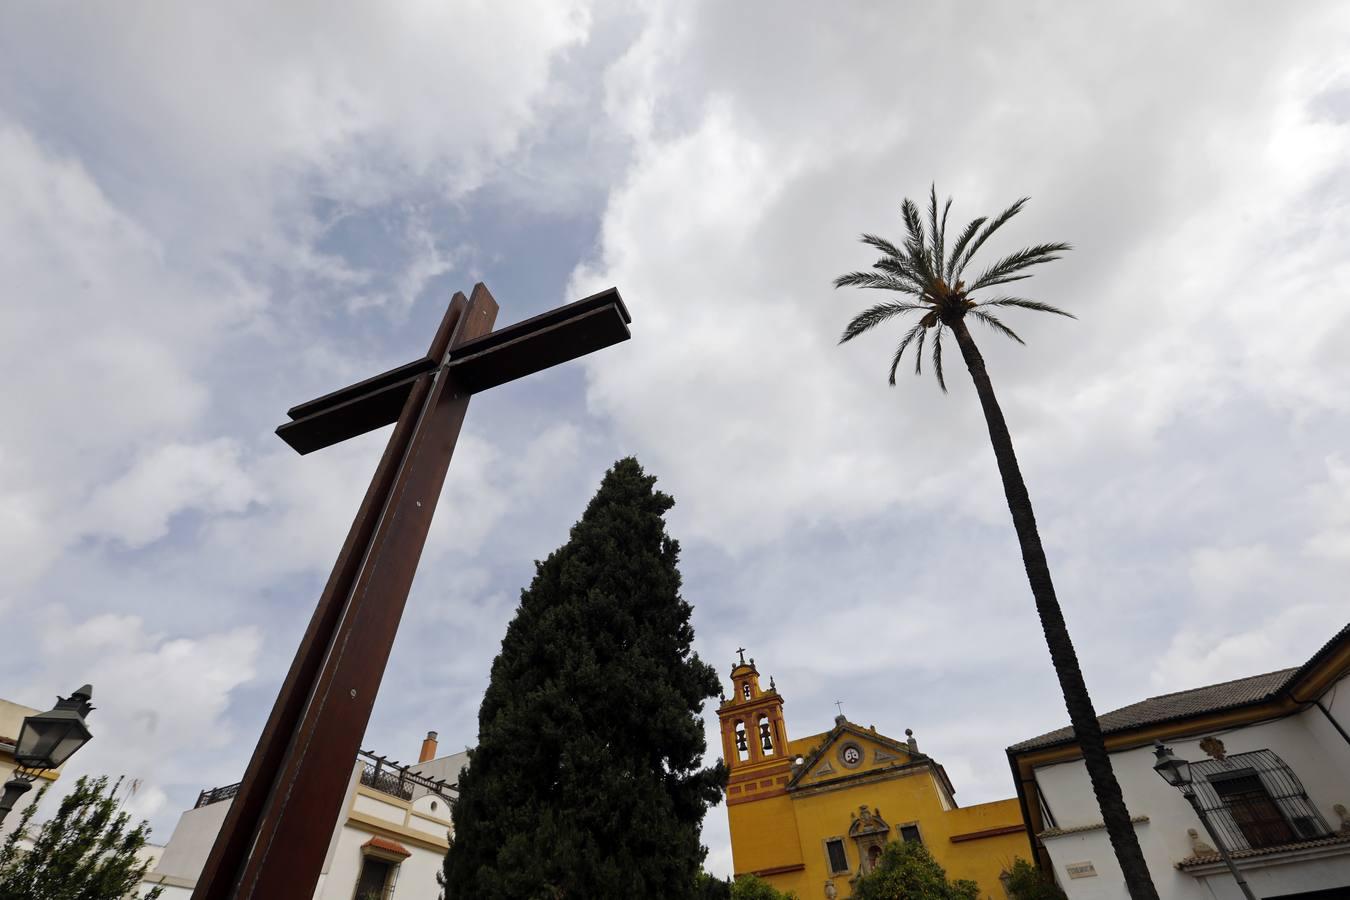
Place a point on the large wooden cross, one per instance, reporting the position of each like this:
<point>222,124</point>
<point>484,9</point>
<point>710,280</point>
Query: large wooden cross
<point>277,831</point>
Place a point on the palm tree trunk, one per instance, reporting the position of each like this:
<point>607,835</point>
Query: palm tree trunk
<point>1086,729</point>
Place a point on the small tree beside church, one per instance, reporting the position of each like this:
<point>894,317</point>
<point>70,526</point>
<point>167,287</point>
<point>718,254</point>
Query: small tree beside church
<point>751,887</point>
<point>907,871</point>
<point>84,852</point>
<point>586,781</point>
<point>1026,882</point>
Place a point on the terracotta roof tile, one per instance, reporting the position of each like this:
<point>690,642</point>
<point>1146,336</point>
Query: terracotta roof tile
<point>1195,702</point>
<point>1182,704</point>
<point>388,846</point>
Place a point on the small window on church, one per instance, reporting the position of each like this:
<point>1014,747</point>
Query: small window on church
<point>910,833</point>
<point>765,736</point>
<point>742,748</point>
<point>834,852</point>
<point>745,690</point>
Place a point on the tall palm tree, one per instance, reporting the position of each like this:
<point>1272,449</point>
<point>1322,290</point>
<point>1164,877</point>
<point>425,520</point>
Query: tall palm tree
<point>933,281</point>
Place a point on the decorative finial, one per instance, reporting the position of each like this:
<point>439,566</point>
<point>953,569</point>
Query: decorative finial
<point>752,662</point>
<point>909,740</point>
<point>1198,847</point>
<point>773,687</point>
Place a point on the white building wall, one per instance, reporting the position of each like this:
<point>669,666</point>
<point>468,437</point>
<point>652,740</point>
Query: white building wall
<point>185,855</point>
<point>1307,742</point>
<point>416,874</point>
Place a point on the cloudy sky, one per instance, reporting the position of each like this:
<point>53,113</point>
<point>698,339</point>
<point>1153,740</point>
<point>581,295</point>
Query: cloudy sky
<point>213,212</point>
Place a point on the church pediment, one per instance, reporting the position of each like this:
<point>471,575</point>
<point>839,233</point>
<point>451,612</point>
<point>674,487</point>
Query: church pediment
<point>850,750</point>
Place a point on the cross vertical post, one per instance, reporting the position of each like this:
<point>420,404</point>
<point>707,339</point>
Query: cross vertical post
<point>275,836</point>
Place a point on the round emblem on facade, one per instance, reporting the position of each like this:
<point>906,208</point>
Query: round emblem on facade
<point>851,755</point>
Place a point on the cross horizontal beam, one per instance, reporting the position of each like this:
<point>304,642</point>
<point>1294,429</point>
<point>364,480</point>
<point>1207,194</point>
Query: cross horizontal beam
<point>524,348</point>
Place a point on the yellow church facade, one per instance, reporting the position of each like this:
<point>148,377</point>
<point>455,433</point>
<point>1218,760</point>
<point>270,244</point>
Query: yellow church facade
<point>811,815</point>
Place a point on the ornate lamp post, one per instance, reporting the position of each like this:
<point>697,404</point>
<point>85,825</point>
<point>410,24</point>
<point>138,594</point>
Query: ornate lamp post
<point>45,742</point>
<point>1177,773</point>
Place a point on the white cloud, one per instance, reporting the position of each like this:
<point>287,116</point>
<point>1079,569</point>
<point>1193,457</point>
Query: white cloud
<point>751,180</point>
<point>100,347</point>
<point>136,508</point>
<point>160,701</point>
<point>252,106</point>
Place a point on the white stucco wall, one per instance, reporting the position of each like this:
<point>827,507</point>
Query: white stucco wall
<point>185,854</point>
<point>446,768</point>
<point>1307,742</point>
<point>416,874</point>
<point>189,845</point>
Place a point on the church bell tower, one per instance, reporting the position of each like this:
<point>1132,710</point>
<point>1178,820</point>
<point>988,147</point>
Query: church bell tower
<point>759,766</point>
<point>754,737</point>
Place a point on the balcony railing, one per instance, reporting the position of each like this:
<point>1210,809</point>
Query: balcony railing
<point>215,795</point>
<point>1255,800</point>
<point>379,772</point>
<point>390,777</point>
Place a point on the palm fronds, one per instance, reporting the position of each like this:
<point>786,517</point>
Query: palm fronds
<point>923,268</point>
<point>937,359</point>
<point>883,282</point>
<point>914,332</point>
<point>999,221</point>
<point>1024,303</point>
<point>875,315</point>
<point>1006,268</point>
<point>992,321</point>
<point>882,244</point>
<point>961,243</point>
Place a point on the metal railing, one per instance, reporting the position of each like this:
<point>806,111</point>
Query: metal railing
<point>215,795</point>
<point>379,772</point>
<point>1254,800</point>
<point>397,780</point>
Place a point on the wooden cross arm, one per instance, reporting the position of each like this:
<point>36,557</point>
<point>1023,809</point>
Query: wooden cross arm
<point>538,343</point>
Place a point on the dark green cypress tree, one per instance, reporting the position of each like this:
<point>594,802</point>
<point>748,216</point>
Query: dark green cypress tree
<point>586,781</point>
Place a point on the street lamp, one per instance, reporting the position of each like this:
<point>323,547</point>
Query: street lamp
<point>45,741</point>
<point>1177,773</point>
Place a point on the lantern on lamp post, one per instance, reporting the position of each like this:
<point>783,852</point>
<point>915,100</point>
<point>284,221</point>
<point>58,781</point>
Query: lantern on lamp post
<point>45,741</point>
<point>1177,773</point>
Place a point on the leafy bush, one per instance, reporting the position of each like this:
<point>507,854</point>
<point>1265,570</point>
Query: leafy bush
<point>751,887</point>
<point>907,871</point>
<point>84,852</point>
<point>1026,882</point>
